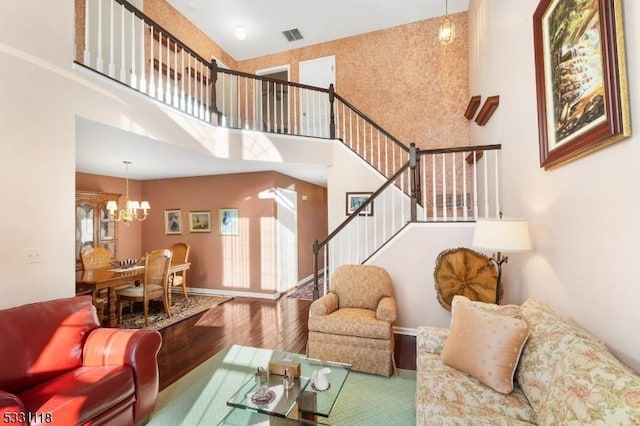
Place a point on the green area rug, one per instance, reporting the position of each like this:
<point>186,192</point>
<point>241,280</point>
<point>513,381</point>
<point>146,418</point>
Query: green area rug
<point>199,398</point>
<point>180,309</point>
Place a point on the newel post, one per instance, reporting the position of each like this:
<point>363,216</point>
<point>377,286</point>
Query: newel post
<point>413,181</point>
<point>213,79</point>
<point>332,118</point>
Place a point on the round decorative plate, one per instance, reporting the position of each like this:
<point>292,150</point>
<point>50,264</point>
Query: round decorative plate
<point>266,399</point>
<point>465,272</point>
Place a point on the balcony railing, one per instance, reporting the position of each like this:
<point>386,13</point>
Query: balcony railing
<point>121,42</point>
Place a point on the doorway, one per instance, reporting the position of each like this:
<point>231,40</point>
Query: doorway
<point>272,100</point>
<point>314,106</point>
<point>287,211</point>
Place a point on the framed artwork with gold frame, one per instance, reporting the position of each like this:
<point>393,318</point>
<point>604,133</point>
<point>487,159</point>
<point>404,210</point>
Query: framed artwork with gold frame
<point>581,78</point>
<point>173,222</point>
<point>200,221</point>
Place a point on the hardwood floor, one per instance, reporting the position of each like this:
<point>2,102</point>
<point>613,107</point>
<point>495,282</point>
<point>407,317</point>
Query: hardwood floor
<point>279,324</point>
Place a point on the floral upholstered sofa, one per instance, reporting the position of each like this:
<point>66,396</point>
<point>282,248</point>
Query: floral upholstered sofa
<point>556,373</point>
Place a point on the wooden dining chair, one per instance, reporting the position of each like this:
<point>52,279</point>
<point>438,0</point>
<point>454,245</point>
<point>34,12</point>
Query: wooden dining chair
<point>180,255</point>
<point>94,258</point>
<point>154,285</point>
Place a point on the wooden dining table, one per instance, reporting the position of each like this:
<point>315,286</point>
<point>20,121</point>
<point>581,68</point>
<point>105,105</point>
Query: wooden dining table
<point>111,278</point>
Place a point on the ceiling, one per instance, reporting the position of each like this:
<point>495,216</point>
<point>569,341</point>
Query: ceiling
<point>318,21</point>
<point>99,148</point>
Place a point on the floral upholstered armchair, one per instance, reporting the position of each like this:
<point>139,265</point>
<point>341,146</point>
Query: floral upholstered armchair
<point>353,323</point>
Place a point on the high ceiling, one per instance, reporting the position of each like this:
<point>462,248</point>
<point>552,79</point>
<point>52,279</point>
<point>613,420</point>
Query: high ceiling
<point>318,21</point>
<point>99,148</point>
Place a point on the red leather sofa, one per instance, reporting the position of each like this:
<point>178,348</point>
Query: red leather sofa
<point>57,366</point>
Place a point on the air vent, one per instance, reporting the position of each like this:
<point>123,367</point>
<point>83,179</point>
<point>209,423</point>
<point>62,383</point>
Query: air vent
<point>292,35</point>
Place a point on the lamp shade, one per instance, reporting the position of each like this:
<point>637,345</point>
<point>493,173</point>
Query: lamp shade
<point>503,235</point>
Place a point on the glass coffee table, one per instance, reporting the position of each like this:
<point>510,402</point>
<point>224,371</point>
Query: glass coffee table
<point>299,404</point>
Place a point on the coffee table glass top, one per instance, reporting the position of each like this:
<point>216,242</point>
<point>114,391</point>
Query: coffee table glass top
<point>302,396</point>
<point>320,402</point>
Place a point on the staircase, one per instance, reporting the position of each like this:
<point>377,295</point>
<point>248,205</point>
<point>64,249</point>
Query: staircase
<point>457,184</point>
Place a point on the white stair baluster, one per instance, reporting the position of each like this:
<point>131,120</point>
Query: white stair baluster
<point>167,89</point>
<point>203,95</point>
<point>189,76</point>
<point>464,186</point>
<point>433,187</point>
<point>176,93</point>
<point>454,194</point>
<point>497,180</point>
<point>99,58</point>
<point>133,81</point>
<point>475,185</point>
<point>486,188</point>
<point>123,68</point>
<point>143,80</point>
<point>112,66</point>
<point>160,94</point>
<point>185,75</point>
<point>86,58</point>
<point>152,72</point>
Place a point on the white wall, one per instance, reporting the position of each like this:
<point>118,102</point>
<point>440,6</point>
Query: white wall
<point>36,148</point>
<point>410,259</point>
<point>347,173</point>
<point>583,215</point>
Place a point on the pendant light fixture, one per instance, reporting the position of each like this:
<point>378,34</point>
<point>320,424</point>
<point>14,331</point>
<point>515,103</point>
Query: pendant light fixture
<point>447,29</point>
<point>133,210</point>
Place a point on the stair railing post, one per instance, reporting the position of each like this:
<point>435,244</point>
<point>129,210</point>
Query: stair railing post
<point>332,118</point>
<point>213,78</point>
<point>316,290</point>
<point>413,161</point>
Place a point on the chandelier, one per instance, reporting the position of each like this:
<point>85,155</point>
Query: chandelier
<point>447,29</point>
<point>133,210</point>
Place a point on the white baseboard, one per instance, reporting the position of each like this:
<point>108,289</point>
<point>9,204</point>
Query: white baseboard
<point>406,331</point>
<point>226,293</point>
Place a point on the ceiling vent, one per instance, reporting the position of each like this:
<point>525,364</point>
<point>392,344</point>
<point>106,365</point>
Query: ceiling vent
<point>292,35</point>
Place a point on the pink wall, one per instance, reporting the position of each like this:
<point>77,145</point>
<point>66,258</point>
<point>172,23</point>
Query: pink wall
<point>129,236</point>
<point>246,262</point>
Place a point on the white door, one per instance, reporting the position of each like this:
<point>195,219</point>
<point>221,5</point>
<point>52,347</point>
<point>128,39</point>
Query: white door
<point>314,106</point>
<point>287,201</point>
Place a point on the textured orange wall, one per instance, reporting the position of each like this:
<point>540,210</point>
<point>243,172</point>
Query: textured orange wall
<point>185,31</point>
<point>401,77</point>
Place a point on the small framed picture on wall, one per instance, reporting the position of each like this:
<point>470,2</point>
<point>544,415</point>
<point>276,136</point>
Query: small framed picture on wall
<point>173,221</point>
<point>200,221</point>
<point>355,200</point>
<point>229,221</point>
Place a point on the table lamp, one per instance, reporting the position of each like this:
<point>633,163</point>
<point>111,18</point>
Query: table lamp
<point>501,236</point>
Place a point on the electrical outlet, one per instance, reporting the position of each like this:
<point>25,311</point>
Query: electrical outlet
<point>32,255</point>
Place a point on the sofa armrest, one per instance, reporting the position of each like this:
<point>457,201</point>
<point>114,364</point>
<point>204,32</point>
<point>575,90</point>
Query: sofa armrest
<point>431,339</point>
<point>137,349</point>
<point>11,409</point>
<point>324,305</point>
<point>386,310</point>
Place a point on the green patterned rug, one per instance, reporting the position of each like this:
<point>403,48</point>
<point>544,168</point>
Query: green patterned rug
<point>180,309</point>
<point>199,398</point>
